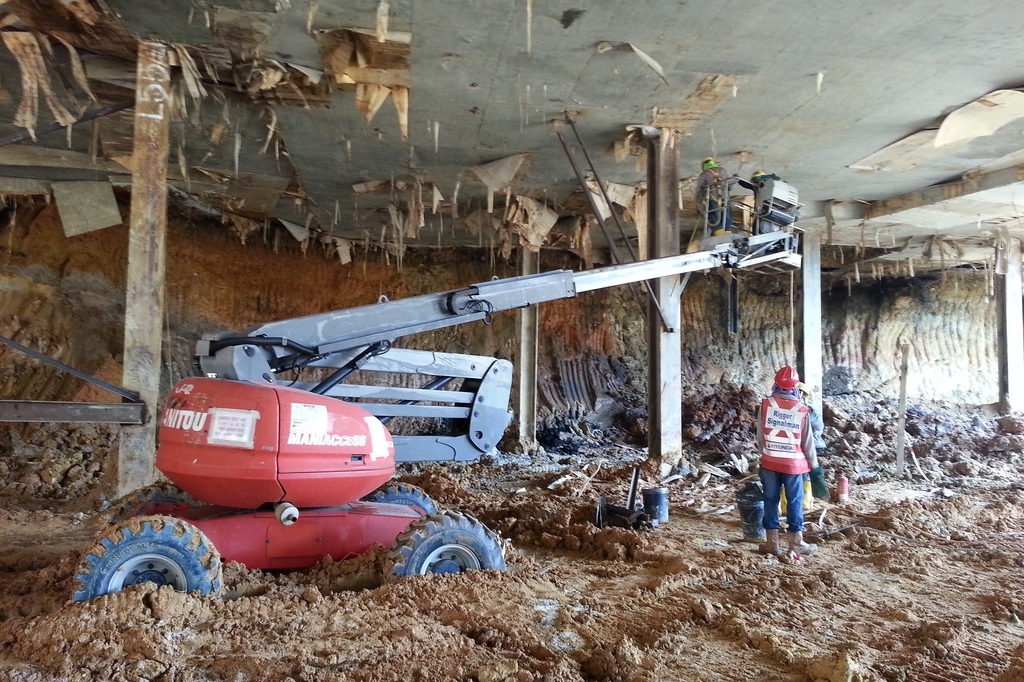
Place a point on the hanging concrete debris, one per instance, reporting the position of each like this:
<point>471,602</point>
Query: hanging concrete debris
<point>531,220</point>
<point>699,104</point>
<point>375,62</point>
<point>190,73</point>
<point>369,99</point>
<point>337,246</point>
<point>606,46</point>
<point>241,227</point>
<point>383,10</point>
<point>480,222</point>
<point>268,80</point>
<point>414,216</point>
<point>300,232</point>
<point>400,96</point>
<point>636,211</point>
<point>498,175</point>
<point>34,77</point>
<point>618,193</point>
<point>85,206</point>
<point>974,120</point>
<point>436,199</point>
<point>980,118</point>
<point>246,33</point>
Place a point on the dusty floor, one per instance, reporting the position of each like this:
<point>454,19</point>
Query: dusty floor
<point>928,586</point>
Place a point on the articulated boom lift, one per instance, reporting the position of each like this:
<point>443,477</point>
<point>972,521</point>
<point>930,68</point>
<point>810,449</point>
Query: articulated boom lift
<point>289,471</point>
<point>477,409</point>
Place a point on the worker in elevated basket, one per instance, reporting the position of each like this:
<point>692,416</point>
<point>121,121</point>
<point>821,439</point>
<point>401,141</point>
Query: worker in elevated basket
<point>756,185</point>
<point>712,196</point>
<point>786,441</point>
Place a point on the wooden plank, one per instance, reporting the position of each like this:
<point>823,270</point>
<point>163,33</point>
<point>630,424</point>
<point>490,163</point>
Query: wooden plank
<point>368,74</point>
<point>85,206</point>
<point>71,412</point>
<point>147,255</point>
<point>9,185</point>
<point>664,372</point>
<point>528,325</point>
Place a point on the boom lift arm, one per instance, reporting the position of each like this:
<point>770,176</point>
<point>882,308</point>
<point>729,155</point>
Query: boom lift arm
<point>475,412</point>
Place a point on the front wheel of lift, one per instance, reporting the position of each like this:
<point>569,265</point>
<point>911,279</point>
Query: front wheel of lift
<point>159,549</point>
<point>448,542</point>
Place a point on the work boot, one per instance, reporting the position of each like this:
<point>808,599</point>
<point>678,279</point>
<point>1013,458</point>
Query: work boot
<point>797,544</point>
<point>771,543</point>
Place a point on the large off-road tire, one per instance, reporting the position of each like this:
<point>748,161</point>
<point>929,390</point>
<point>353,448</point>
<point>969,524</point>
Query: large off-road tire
<point>403,493</point>
<point>158,549</point>
<point>159,498</point>
<point>448,542</point>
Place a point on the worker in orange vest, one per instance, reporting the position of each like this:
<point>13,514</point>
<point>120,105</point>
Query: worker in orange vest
<point>786,442</point>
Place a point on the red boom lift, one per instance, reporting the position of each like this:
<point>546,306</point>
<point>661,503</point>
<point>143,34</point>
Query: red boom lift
<point>285,451</point>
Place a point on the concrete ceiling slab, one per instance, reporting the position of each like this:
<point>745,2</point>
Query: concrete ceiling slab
<point>814,91</point>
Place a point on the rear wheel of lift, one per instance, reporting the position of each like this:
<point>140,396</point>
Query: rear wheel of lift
<point>403,493</point>
<point>448,542</point>
<point>158,549</point>
<point>159,498</point>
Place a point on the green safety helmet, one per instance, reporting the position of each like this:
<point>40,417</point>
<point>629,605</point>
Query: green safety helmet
<point>708,163</point>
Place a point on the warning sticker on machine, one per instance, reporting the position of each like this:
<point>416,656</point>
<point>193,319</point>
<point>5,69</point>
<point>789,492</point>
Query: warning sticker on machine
<point>311,425</point>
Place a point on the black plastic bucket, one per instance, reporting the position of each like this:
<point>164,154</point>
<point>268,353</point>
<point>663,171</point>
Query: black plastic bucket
<point>656,504</point>
<point>750,503</point>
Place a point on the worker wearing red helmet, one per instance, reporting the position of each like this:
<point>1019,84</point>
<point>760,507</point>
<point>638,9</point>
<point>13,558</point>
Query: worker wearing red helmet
<point>786,441</point>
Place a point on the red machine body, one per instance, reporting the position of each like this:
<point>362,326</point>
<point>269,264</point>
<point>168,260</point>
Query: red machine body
<point>244,445</point>
<point>259,540</point>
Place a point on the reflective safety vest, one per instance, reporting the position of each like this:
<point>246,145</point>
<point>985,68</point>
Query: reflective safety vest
<point>782,423</point>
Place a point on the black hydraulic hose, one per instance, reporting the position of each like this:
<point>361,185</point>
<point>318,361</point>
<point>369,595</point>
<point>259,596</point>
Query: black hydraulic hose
<point>352,365</point>
<point>54,127</point>
<point>263,341</point>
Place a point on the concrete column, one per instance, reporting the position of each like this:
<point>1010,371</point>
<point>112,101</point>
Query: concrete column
<point>144,288</point>
<point>1011,332</point>
<point>664,373</point>
<point>810,276</point>
<point>528,320</point>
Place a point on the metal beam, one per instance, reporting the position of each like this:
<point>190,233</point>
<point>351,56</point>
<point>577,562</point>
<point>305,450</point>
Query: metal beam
<point>68,412</point>
<point>124,393</point>
<point>57,127</point>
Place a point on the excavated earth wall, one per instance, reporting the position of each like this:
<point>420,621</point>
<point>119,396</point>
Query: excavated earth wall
<point>64,297</point>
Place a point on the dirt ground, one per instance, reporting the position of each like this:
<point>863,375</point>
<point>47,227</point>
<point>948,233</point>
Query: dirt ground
<point>919,577</point>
